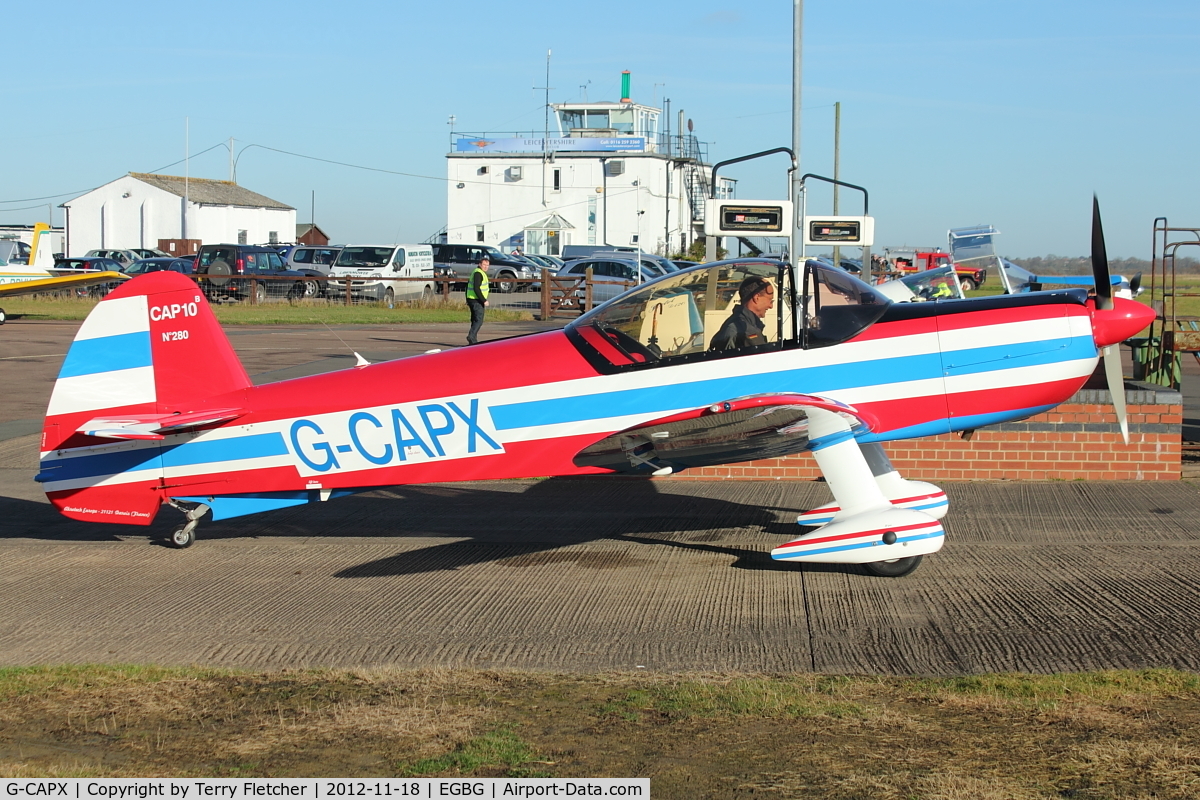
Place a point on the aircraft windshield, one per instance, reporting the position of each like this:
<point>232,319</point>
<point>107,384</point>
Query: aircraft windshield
<point>710,311</point>
<point>939,283</point>
<point>837,306</point>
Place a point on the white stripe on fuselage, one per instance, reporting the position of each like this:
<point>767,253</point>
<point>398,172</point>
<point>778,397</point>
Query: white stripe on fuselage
<point>375,439</point>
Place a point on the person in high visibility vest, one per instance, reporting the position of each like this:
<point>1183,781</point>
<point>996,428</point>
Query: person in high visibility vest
<point>477,297</point>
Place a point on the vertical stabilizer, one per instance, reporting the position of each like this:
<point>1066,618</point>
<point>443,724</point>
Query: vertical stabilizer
<point>151,348</point>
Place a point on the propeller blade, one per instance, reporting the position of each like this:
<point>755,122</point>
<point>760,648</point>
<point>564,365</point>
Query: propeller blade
<point>1100,260</point>
<point>1116,387</point>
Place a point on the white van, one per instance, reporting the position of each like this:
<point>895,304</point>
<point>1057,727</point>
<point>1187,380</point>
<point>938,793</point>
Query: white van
<point>376,261</point>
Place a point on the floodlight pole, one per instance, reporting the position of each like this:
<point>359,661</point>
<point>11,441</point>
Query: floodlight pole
<point>796,246</point>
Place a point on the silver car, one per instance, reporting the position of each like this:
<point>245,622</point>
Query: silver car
<point>610,276</point>
<point>122,257</point>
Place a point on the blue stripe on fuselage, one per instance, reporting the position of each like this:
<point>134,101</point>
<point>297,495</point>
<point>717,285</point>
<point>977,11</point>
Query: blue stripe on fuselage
<point>107,354</point>
<point>832,377</point>
<point>968,423</point>
<point>182,455</point>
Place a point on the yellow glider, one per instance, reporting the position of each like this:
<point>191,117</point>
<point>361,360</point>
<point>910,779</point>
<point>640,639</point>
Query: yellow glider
<point>49,283</point>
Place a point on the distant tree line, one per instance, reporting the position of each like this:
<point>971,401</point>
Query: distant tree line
<point>1082,265</point>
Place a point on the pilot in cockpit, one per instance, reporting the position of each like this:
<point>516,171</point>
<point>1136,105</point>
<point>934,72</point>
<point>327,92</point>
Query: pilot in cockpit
<point>744,327</point>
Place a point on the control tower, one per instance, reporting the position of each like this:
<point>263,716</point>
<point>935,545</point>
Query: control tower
<point>609,173</point>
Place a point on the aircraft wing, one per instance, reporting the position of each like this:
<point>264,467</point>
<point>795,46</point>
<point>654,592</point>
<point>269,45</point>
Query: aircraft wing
<point>742,429</point>
<point>62,282</point>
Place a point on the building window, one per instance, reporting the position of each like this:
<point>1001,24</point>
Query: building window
<point>479,231</point>
<point>482,171</point>
<point>557,180</point>
<point>273,237</point>
<point>241,237</point>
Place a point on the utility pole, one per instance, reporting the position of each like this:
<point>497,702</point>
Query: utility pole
<point>546,127</point>
<point>187,171</point>
<point>837,160</point>
<point>796,249</point>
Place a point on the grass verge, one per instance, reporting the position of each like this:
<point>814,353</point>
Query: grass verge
<point>303,312</point>
<point>1097,735</point>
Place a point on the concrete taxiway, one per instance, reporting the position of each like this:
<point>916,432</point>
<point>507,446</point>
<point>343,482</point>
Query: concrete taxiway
<point>580,575</point>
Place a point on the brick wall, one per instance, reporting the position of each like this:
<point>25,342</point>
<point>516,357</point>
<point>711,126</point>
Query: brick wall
<point>1078,440</point>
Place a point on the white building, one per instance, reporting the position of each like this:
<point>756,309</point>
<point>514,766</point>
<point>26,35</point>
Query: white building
<point>139,209</point>
<point>605,176</point>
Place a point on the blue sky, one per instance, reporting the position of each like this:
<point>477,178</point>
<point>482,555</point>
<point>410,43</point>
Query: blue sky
<point>953,113</point>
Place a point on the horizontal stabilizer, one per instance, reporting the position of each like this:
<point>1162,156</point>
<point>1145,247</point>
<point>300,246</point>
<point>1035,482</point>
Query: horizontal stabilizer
<point>156,426</point>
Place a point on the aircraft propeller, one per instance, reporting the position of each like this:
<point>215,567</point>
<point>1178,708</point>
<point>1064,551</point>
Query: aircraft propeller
<point>1104,302</point>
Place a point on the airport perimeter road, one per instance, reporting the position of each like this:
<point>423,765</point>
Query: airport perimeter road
<point>584,575</point>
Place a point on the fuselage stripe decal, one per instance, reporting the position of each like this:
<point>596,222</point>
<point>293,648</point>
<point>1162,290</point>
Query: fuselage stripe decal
<point>822,379</point>
<point>239,448</point>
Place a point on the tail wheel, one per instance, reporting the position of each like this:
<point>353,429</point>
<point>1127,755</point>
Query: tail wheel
<point>967,285</point>
<point>895,568</point>
<point>184,536</point>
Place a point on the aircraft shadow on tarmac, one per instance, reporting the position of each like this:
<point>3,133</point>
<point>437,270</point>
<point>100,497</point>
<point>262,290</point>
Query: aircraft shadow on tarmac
<point>505,522</point>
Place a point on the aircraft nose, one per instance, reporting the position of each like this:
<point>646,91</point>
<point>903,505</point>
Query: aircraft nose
<point>1118,323</point>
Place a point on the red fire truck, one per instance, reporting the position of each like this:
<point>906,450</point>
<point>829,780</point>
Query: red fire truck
<point>907,260</point>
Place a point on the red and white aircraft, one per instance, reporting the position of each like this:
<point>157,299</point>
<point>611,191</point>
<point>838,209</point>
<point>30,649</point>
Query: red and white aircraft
<point>152,406</point>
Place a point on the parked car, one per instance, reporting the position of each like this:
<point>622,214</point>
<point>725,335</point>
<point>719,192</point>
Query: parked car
<point>86,264</point>
<point>505,270</point>
<point>148,252</point>
<point>228,267</point>
<point>683,263</point>
<point>123,257</point>
<point>181,265</point>
<point>315,257</point>
<point>375,262</point>
<point>657,264</point>
<point>544,261</point>
<point>314,261</point>
<point>72,266</point>
<point>610,276</point>
<point>571,252</point>
<point>13,251</point>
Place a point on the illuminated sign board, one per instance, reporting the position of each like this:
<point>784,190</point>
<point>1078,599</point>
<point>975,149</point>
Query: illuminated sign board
<point>747,217</point>
<point>853,231</point>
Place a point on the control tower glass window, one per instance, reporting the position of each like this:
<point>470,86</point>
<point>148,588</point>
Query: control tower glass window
<point>571,119</point>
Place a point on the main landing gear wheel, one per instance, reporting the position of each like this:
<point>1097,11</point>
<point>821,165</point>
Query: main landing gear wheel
<point>895,568</point>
